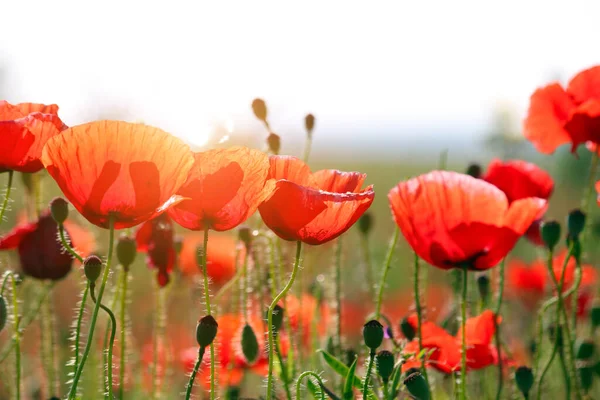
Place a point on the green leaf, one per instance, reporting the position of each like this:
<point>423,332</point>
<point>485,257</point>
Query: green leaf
<point>396,381</point>
<point>313,389</point>
<point>348,393</point>
<point>341,369</point>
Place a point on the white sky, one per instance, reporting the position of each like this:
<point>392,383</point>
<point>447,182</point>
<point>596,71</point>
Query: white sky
<point>359,66</point>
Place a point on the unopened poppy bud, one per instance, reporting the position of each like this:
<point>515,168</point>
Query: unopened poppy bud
<point>407,329</point>
<point>550,232</point>
<point>59,209</point>
<point>206,331</point>
<point>373,334</point>
<point>260,109</point>
<point>3,313</point>
<point>575,223</point>
<point>249,344</point>
<point>483,284</point>
<point>585,349</point>
<point>277,318</point>
<point>92,266</point>
<point>350,356</point>
<point>232,393</point>
<point>417,386</point>
<point>385,364</point>
<point>274,142</point>
<point>126,250</point>
<point>586,377</point>
<point>474,170</point>
<point>309,123</point>
<point>595,315</point>
<point>365,223</point>
<point>524,378</point>
<point>245,235</point>
<point>178,244</point>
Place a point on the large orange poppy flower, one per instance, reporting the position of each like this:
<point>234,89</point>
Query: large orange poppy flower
<point>445,349</point>
<point>126,171</point>
<point>557,115</point>
<point>453,220</point>
<point>24,130</point>
<point>313,208</point>
<point>224,188</point>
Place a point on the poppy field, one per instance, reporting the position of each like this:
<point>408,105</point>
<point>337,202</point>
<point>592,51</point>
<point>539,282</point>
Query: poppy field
<point>133,266</point>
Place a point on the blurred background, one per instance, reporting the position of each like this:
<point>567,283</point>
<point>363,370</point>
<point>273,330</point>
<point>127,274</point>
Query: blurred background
<point>394,86</point>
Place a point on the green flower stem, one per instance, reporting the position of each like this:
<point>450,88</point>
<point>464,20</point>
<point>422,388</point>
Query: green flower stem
<point>284,376</point>
<point>574,293</point>
<point>208,311</point>
<point>276,300</point>
<point>16,337</point>
<point>88,346</point>
<point>338,297</point>
<point>386,268</point>
<point>306,374</point>
<point>419,311</point>
<point>78,326</point>
<point>48,344</point>
<point>113,304</point>
<point>365,387</point>
<point>113,332</point>
<point>65,244</point>
<point>123,338</point>
<point>497,329</point>
<point>366,253</point>
<point>546,369</point>
<point>190,385</point>
<point>6,195</point>
<point>587,196</point>
<point>463,329</point>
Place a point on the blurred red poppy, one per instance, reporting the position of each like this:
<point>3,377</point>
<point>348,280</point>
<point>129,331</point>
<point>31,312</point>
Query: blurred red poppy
<point>223,189</point>
<point>303,313</point>
<point>40,253</point>
<point>557,115</point>
<point>113,168</point>
<point>313,208</point>
<point>220,259</point>
<point>445,354</point>
<point>155,238</point>
<point>453,220</point>
<point>24,130</point>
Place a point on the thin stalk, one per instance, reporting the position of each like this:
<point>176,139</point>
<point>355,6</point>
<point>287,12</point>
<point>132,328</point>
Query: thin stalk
<point>365,387</point>
<point>113,332</point>
<point>6,195</point>
<point>190,385</point>
<point>386,268</point>
<point>587,195</point>
<point>80,313</point>
<point>113,304</point>
<point>574,296</point>
<point>208,311</point>
<point>65,244</point>
<point>563,363</point>
<point>48,346</point>
<point>546,369</point>
<point>307,147</point>
<point>306,374</point>
<point>417,293</point>
<point>123,338</point>
<point>366,253</point>
<point>463,328</point>
<point>88,346</point>
<point>284,375</point>
<point>497,329</point>
<point>270,319</point>
<point>16,337</point>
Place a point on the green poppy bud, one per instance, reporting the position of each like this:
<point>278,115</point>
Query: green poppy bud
<point>309,123</point>
<point>585,349</point>
<point>483,284</point>
<point>417,386</point>
<point>206,330</point>
<point>3,313</point>
<point>385,364</point>
<point>550,232</point>
<point>232,393</point>
<point>365,223</point>
<point>373,334</point>
<point>575,223</point>
<point>92,266</point>
<point>274,142</point>
<point>260,109</point>
<point>474,170</point>
<point>407,329</point>
<point>586,377</point>
<point>59,209</point>
<point>249,344</point>
<point>595,315</point>
<point>126,250</point>
<point>524,378</point>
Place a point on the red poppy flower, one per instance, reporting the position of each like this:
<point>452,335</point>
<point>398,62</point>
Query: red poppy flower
<point>24,130</point>
<point>445,349</point>
<point>155,237</point>
<point>302,314</point>
<point>557,116</point>
<point>313,208</point>
<point>129,172</point>
<point>453,220</point>
<point>220,259</point>
<point>223,189</point>
<point>40,253</point>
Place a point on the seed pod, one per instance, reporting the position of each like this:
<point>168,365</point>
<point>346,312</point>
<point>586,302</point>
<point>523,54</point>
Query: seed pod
<point>550,232</point>
<point>59,209</point>
<point>407,329</point>
<point>277,318</point>
<point>595,315</point>
<point>474,170</point>
<point>417,386</point>
<point>206,330</point>
<point>585,349</point>
<point>92,266</point>
<point>575,223</point>
<point>260,109</point>
<point>524,378</point>
<point>126,251</point>
<point>385,364</point>
<point>309,123</point>
<point>586,377</point>
<point>249,344</point>
<point>274,142</point>
<point>373,334</point>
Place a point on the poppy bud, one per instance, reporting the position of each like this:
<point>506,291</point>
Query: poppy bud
<point>373,334</point>
<point>206,330</point>
<point>178,244</point>
<point>232,393</point>
<point>274,142</point>
<point>595,315</point>
<point>350,357</point>
<point>474,170</point>
<point>126,250</point>
<point>385,364</point>
<point>365,222</point>
<point>575,223</point>
<point>59,209</point>
<point>417,386</point>
<point>524,378</point>
<point>483,284</point>
<point>550,232</point>
<point>277,318</point>
<point>92,266</point>
<point>411,371</point>
<point>586,377</point>
<point>249,344</point>
<point>245,235</point>
<point>260,109</point>
<point>3,313</point>
<point>309,123</point>
<point>585,349</point>
<point>407,329</point>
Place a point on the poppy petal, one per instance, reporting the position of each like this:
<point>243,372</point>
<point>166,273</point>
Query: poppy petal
<point>519,179</point>
<point>584,124</point>
<point>479,329</point>
<point>292,169</point>
<point>585,85</point>
<point>12,239</point>
<point>331,180</point>
<point>15,111</point>
<point>143,236</point>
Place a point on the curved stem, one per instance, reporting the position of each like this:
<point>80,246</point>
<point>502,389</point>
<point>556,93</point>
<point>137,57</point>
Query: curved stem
<point>270,319</point>
<point>6,195</point>
<point>386,268</point>
<point>417,294</point>
<point>65,244</point>
<point>463,323</point>
<point>284,375</point>
<point>365,387</point>
<point>88,346</point>
<point>497,329</point>
<point>207,302</point>
<point>78,326</point>
<point>307,374</point>
<point>123,338</point>
<point>113,304</point>
<point>546,368</point>
<point>190,385</point>
<point>113,332</point>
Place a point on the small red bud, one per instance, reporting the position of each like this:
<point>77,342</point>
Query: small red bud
<point>274,142</point>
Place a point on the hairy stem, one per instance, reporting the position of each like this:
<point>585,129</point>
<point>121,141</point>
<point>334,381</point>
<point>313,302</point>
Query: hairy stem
<point>386,269</point>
